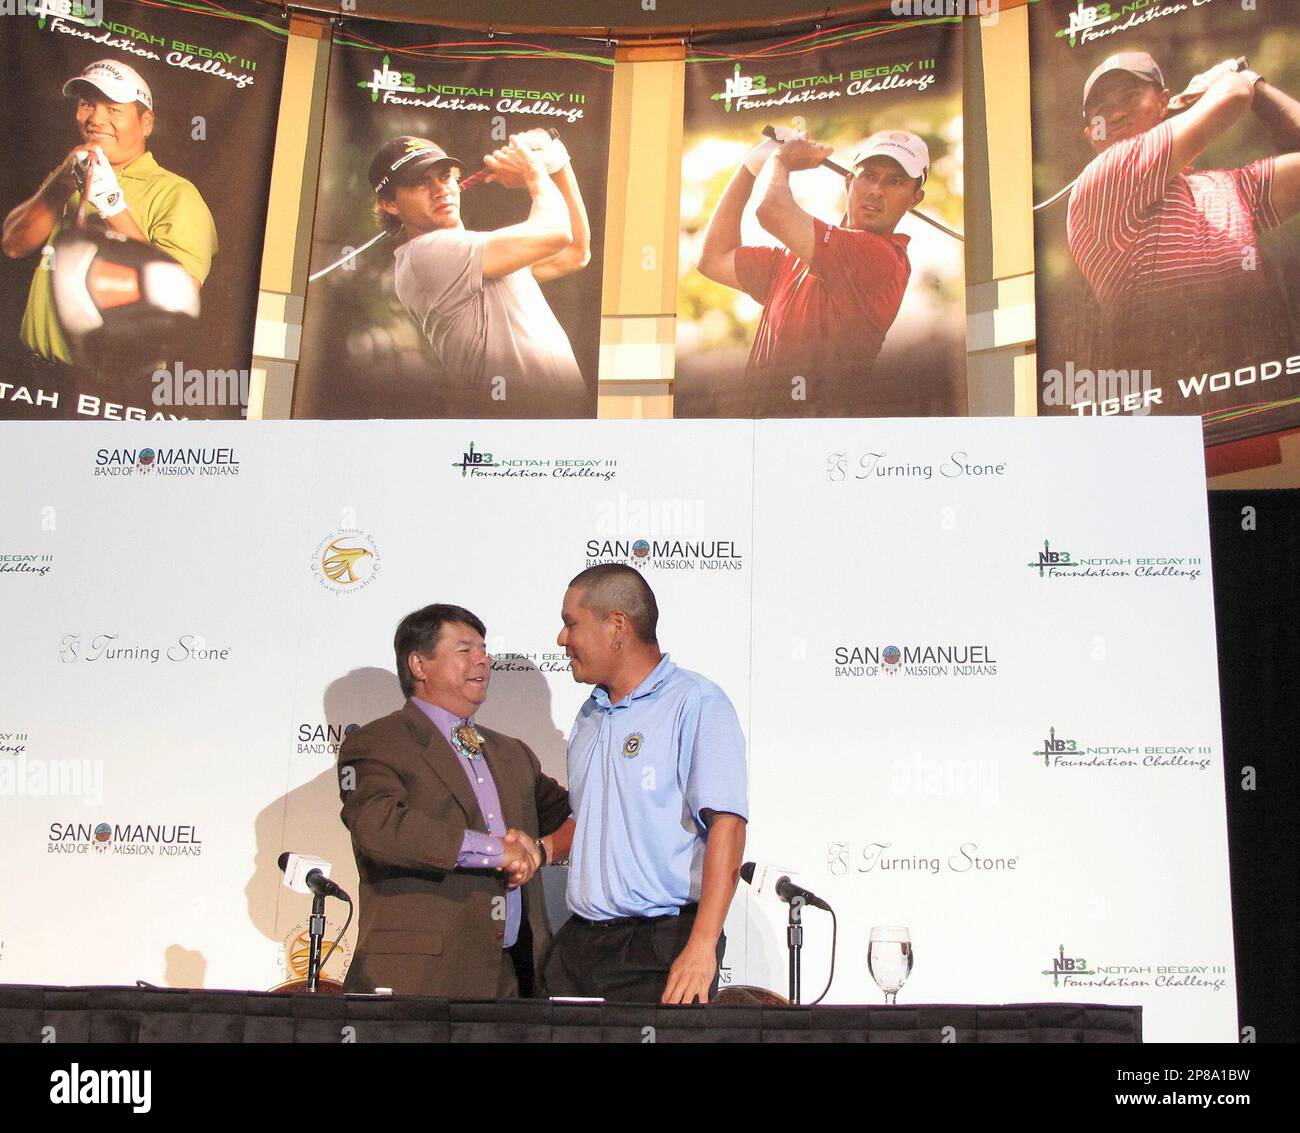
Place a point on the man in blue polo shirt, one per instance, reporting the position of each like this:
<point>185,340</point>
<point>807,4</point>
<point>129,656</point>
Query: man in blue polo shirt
<point>657,783</point>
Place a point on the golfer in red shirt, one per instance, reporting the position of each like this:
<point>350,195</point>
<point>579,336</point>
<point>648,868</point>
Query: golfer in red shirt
<point>831,293</point>
<point>1171,253</point>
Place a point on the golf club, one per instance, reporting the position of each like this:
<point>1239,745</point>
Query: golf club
<point>836,167</point>
<point>470,182</point>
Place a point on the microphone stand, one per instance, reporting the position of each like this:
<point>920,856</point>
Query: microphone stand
<point>316,930</point>
<point>794,941</point>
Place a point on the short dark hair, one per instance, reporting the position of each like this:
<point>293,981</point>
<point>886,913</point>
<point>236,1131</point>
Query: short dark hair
<point>616,586</point>
<point>418,633</point>
<point>383,218</point>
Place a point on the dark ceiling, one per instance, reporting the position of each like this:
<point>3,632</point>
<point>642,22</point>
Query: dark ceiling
<point>626,19</point>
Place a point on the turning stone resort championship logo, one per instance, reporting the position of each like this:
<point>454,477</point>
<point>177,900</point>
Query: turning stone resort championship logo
<point>1062,564</point>
<point>843,466</point>
<point>881,857</point>
<point>1060,752</point>
<point>132,839</point>
<point>479,465</point>
<point>1079,971</point>
<point>76,648</point>
<point>295,952</point>
<point>346,561</point>
<point>666,554</point>
<point>151,463</point>
<point>954,661</point>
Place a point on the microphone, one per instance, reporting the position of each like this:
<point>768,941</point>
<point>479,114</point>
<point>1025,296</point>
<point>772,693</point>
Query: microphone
<point>305,874</point>
<point>776,882</point>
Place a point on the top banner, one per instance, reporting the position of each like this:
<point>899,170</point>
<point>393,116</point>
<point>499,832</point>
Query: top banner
<point>456,256</point>
<point>822,271</point>
<point>1167,180</point>
<point>134,198</point>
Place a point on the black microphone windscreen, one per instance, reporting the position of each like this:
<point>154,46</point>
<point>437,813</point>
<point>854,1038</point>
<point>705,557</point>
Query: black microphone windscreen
<point>746,871</point>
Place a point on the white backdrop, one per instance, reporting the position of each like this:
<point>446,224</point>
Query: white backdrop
<point>1043,807</point>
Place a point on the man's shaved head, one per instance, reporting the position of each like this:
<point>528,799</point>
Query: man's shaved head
<point>613,587</point>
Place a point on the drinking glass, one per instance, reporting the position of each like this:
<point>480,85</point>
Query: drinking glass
<point>889,958</point>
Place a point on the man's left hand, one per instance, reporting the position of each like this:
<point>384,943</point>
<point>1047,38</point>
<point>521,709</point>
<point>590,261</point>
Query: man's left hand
<point>515,164</point>
<point>554,154</point>
<point>103,191</point>
<point>692,973</point>
<point>1199,84</point>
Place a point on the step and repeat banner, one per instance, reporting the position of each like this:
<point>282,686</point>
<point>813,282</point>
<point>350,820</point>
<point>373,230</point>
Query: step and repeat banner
<point>460,223</point>
<point>985,707</point>
<point>1168,276</point>
<point>976,672</point>
<point>821,264</point>
<point>134,195</point>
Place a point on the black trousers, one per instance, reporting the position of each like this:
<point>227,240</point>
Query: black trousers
<point>625,959</point>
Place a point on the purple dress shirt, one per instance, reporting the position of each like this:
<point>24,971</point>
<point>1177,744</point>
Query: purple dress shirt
<point>478,850</point>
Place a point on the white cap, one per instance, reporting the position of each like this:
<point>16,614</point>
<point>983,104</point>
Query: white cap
<point>116,81</point>
<point>907,149</point>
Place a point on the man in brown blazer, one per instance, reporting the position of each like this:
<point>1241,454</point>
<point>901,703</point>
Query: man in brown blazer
<point>450,821</point>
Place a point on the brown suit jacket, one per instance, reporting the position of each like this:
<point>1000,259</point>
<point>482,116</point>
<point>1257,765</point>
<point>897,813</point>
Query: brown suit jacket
<point>426,927</point>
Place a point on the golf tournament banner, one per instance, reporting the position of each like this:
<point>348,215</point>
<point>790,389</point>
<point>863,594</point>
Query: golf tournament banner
<point>950,736</point>
<point>945,737</point>
<point>135,205</point>
<point>874,325</point>
<point>460,309</point>
<point>1167,250</point>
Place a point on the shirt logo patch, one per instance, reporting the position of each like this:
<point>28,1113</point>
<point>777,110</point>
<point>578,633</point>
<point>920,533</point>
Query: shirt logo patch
<point>632,745</point>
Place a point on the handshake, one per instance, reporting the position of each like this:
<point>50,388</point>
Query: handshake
<point>521,857</point>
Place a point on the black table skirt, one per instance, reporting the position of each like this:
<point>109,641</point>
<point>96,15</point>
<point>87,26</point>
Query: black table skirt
<point>136,1015</point>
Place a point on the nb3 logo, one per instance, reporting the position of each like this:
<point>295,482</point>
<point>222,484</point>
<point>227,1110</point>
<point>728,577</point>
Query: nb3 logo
<point>741,86</point>
<point>1084,18</point>
<point>1063,965</point>
<point>386,79</point>
<point>1053,746</point>
<point>1049,558</point>
<point>472,459</point>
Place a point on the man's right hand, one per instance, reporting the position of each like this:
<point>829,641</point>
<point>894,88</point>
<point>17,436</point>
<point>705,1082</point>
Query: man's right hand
<point>29,224</point>
<point>64,180</point>
<point>517,863</point>
<point>801,152</point>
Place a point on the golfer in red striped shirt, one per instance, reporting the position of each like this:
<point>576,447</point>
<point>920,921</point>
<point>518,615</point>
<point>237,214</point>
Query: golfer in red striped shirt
<point>1171,253</point>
